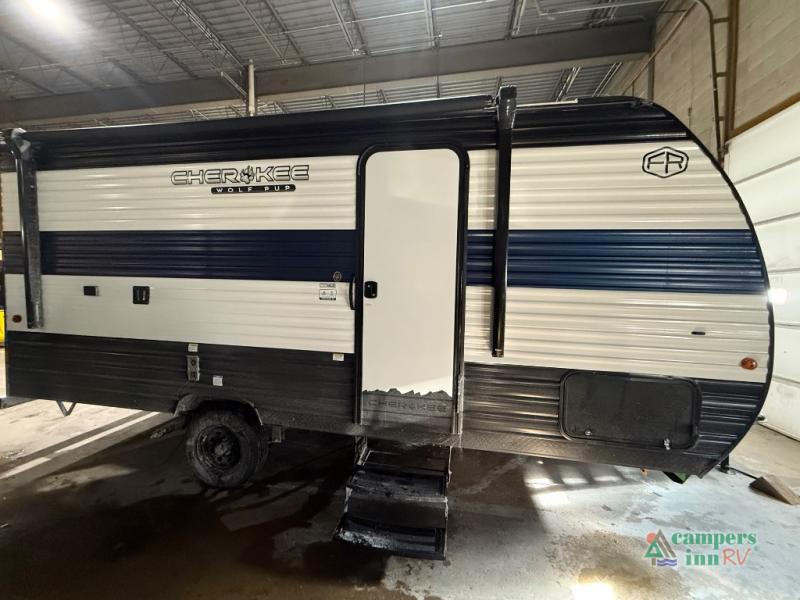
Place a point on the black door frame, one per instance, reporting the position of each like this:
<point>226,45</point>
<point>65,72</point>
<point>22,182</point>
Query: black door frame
<point>461,268</point>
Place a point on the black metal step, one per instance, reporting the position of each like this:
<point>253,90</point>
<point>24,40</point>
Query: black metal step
<point>405,501</point>
<point>396,500</point>
<point>402,541</point>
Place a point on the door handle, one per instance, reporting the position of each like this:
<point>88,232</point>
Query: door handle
<point>350,298</point>
<point>370,289</point>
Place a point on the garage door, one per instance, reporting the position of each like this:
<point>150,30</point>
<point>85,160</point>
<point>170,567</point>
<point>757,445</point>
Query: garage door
<point>764,163</point>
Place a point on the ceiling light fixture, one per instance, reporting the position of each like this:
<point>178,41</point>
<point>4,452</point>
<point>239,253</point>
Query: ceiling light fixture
<point>52,13</point>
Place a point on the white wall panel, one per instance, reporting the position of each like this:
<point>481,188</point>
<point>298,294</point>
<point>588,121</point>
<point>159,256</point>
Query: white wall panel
<point>269,314</point>
<point>482,188</point>
<point>637,332</point>
<point>780,243</point>
<point>772,143</point>
<point>781,407</point>
<point>787,354</point>
<point>764,163</point>
<point>787,308</point>
<point>10,199</point>
<point>773,194</point>
<point>137,198</point>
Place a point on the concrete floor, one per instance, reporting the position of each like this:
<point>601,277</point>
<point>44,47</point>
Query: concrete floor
<point>130,522</point>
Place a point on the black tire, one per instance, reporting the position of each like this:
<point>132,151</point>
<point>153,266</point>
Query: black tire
<point>225,448</point>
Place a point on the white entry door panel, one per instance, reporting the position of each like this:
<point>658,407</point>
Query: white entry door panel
<point>411,206</point>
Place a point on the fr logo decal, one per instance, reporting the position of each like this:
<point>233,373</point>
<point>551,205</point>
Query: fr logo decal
<point>665,162</point>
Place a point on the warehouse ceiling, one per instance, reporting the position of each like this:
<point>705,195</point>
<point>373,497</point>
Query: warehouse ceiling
<point>100,62</point>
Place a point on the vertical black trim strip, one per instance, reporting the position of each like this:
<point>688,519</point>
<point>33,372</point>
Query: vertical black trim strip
<point>361,181</point>
<point>29,226</point>
<point>506,111</point>
<point>461,290</point>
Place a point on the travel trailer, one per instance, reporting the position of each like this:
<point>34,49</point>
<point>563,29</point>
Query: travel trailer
<point>577,281</point>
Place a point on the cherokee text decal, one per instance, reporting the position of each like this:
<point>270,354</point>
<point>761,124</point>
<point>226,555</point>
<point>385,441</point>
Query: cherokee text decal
<point>229,180</point>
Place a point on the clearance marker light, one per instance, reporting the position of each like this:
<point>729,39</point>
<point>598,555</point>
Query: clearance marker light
<point>748,363</point>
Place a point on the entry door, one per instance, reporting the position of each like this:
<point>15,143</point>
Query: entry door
<point>411,222</point>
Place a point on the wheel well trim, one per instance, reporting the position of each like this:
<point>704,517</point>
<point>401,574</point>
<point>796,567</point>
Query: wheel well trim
<point>191,402</point>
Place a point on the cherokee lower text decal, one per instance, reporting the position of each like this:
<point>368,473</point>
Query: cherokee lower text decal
<point>248,189</point>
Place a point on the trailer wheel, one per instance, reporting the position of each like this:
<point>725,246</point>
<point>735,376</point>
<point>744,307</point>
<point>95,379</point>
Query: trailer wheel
<point>225,448</point>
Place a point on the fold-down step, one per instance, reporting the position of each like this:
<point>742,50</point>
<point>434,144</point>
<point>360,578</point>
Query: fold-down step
<point>396,500</point>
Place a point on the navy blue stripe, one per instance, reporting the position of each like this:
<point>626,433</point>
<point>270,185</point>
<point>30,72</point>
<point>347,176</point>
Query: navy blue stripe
<point>713,260</point>
<point>683,260</point>
<point>288,254</point>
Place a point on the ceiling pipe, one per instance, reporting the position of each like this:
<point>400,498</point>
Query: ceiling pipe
<point>252,105</point>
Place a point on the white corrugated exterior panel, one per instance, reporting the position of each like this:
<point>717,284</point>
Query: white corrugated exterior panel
<point>764,163</point>
<point>268,314</point>
<point>271,314</point>
<point>143,198</point>
<point>589,187</point>
<point>624,331</point>
<point>594,187</point>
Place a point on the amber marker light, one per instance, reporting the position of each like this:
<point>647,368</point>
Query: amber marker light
<point>748,363</point>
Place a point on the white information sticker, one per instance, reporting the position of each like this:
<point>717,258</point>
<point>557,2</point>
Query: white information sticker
<point>327,291</point>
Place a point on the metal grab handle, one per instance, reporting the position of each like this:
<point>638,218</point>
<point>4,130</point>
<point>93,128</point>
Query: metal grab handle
<point>350,300</point>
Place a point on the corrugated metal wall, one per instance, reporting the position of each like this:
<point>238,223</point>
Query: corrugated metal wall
<point>764,163</point>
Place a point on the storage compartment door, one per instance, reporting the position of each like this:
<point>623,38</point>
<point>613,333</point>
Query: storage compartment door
<point>408,351</point>
<point>646,412</point>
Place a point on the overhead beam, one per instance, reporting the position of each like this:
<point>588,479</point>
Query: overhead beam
<point>17,76</point>
<point>48,60</point>
<point>517,12</point>
<point>430,24</point>
<point>596,46</point>
<point>284,30</point>
<point>630,40</point>
<point>262,31</point>
<point>343,27</point>
<point>109,4</point>
<point>209,57</point>
<point>208,31</point>
<point>362,40</point>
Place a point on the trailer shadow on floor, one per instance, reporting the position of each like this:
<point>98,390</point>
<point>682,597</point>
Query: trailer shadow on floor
<point>131,522</point>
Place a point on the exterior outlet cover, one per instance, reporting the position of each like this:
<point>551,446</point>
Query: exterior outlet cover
<point>217,380</point>
<point>193,367</point>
